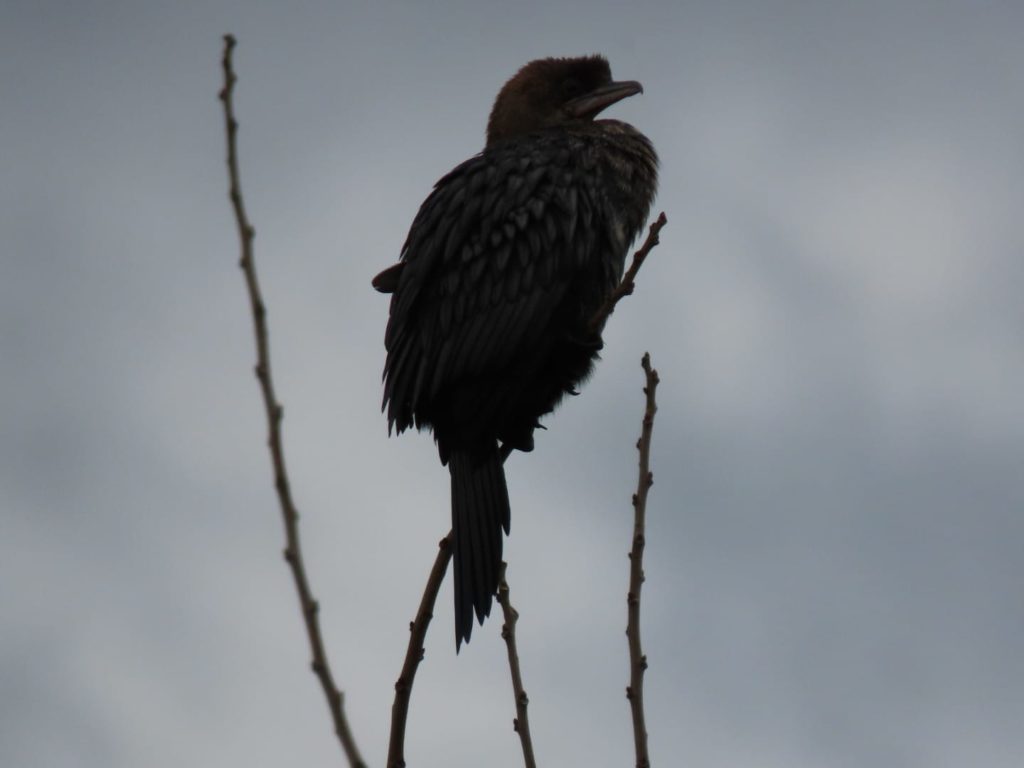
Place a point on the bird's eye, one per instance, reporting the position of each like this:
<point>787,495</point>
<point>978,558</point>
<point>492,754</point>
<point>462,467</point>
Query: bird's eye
<point>572,88</point>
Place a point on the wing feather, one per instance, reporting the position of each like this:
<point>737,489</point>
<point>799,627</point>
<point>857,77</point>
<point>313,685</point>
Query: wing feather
<point>487,262</point>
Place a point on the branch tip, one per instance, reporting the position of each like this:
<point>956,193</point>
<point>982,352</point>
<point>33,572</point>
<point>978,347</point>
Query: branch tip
<point>628,282</point>
<point>637,659</point>
<point>293,550</point>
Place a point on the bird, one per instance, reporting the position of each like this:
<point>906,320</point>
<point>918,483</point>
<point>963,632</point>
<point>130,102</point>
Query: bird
<point>493,299</point>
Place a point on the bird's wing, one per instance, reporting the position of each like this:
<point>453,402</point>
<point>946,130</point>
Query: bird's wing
<point>487,262</point>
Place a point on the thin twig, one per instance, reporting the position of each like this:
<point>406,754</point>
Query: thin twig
<point>275,413</point>
<point>628,282</point>
<point>414,654</point>
<point>637,660</point>
<point>508,632</point>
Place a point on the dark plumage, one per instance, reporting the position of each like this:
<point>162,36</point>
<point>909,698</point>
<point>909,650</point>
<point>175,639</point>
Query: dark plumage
<point>506,263</point>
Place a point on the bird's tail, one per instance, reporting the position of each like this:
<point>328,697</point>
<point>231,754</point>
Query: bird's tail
<point>480,511</point>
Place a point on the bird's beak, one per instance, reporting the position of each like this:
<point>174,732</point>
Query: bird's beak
<point>591,104</point>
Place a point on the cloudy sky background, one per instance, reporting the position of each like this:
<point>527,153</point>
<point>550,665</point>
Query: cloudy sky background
<point>836,538</point>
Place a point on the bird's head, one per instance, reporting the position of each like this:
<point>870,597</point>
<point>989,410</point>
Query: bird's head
<point>551,92</point>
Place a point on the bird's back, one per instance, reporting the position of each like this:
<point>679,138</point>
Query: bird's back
<point>504,265</point>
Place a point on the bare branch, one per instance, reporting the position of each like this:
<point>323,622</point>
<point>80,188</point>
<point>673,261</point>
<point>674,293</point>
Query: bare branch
<point>414,654</point>
<point>628,282</point>
<point>275,414</point>
<point>508,633</point>
<point>637,660</point>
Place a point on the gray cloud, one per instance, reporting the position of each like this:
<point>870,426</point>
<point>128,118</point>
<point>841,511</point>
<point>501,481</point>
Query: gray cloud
<point>834,557</point>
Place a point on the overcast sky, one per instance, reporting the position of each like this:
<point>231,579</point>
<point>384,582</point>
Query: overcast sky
<point>836,529</point>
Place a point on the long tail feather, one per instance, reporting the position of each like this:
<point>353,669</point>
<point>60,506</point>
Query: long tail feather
<point>480,510</point>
